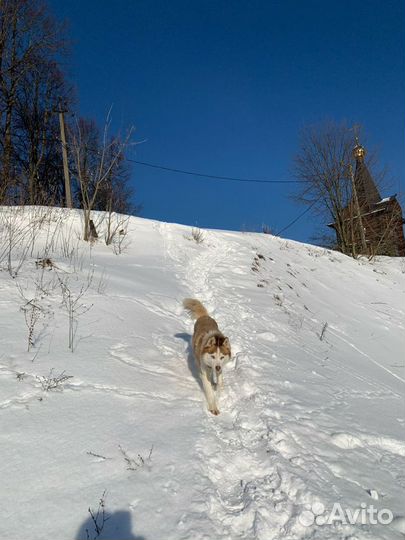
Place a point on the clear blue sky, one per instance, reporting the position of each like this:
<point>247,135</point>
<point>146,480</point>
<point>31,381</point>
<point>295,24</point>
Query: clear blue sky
<point>224,87</point>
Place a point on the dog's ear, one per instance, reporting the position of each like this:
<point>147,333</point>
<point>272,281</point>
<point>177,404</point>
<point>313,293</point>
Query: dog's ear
<point>211,342</point>
<point>226,343</point>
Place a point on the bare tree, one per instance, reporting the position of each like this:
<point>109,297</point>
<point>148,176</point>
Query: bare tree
<point>325,165</point>
<point>30,44</point>
<point>37,134</point>
<point>96,160</point>
<point>115,197</point>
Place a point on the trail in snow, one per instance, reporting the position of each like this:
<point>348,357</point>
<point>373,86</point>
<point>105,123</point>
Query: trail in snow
<point>241,493</point>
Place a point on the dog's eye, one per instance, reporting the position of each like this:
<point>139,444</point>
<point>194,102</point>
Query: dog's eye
<point>222,357</point>
<point>212,355</point>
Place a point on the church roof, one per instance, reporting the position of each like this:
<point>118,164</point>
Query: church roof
<point>367,192</point>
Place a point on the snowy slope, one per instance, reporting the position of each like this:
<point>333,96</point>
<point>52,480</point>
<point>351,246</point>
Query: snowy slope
<point>310,413</point>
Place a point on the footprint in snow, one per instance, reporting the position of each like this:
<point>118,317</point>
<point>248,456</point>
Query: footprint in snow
<point>268,336</point>
<point>239,271</point>
<point>349,441</point>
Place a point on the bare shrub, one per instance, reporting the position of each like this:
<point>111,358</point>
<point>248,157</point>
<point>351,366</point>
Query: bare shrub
<point>133,464</point>
<point>32,308</point>
<point>99,456</point>
<point>99,518</point>
<point>120,240</point>
<point>46,282</point>
<point>19,231</point>
<point>68,243</point>
<point>53,221</point>
<point>197,235</point>
<point>116,225</point>
<point>32,313</point>
<point>51,382</point>
<point>16,240</point>
<point>74,307</point>
<point>102,282</point>
<point>97,160</point>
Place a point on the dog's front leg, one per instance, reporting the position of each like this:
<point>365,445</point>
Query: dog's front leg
<point>209,393</point>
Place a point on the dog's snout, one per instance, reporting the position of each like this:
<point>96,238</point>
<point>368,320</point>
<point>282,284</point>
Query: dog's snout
<point>218,369</point>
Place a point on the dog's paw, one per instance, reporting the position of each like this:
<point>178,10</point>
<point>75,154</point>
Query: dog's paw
<point>214,411</point>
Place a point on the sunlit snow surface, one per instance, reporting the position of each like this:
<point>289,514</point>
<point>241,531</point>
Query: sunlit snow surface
<point>312,412</point>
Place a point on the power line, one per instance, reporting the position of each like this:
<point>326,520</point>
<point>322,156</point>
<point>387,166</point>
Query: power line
<point>203,175</point>
<point>214,176</point>
<point>229,179</point>
<point>294,221</point>
<point>233,179</point>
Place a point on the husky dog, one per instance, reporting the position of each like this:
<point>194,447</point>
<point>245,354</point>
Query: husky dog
<point>211,350</point>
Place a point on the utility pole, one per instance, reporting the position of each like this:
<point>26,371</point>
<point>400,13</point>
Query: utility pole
<point>358,210</point>
<point>68,191</point>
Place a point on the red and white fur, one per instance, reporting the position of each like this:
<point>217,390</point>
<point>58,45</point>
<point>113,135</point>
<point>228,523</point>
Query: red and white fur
<point>211,351</point>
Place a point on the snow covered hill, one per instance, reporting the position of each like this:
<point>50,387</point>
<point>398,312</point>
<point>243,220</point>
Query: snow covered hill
<point>312,413</point>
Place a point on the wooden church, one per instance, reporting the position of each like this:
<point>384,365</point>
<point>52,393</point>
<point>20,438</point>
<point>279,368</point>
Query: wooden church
<point>371,225</point>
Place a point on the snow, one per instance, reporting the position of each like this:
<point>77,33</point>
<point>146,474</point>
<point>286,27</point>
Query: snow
<point>312,412</point>
<point>386,199</point>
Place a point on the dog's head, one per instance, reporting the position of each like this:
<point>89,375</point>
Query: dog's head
<point>216,352</point>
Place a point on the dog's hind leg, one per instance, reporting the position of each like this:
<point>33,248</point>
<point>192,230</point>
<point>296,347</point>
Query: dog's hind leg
<point>209,393</point>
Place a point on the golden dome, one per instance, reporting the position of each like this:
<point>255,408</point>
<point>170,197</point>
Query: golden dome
<point>359,152</point>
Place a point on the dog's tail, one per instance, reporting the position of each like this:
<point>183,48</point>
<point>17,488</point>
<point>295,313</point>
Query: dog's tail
<point>195,308</point>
